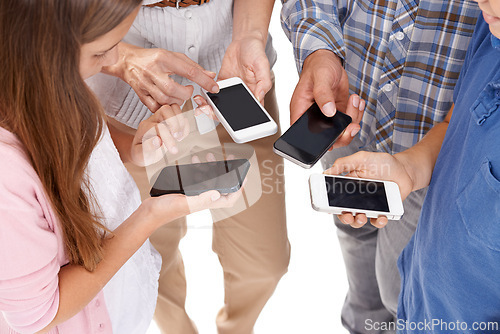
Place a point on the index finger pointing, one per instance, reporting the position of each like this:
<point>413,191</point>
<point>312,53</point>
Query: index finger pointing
<point>191,70</point>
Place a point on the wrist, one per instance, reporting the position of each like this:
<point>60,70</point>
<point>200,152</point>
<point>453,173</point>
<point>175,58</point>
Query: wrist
<point>323,57</point>
<point>118,69</point>
<point>147,216</point>
<point>247,34</point>
<point>405,159</point>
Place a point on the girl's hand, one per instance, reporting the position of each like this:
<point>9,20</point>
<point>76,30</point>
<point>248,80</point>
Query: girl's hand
<point>203,108</point>
<point>159,134</point>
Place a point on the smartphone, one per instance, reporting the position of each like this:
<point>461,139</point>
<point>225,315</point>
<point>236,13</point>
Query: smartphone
<point>337,194</point>
<point>310,137</point>
<point>193,179</point>
<point>244,118</point>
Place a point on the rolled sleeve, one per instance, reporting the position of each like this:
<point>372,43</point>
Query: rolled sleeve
<point>311,26</point>
<point>29,293</point>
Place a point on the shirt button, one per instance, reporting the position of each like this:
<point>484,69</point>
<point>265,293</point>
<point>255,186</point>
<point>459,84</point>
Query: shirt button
<point>97,303</point>
<point>192,49</point>
<point>387,87</point>
<point>188,14</point>
<point>399,36</point>
<point>101,327</point>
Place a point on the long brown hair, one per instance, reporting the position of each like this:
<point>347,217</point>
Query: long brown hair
<point>46,103</point>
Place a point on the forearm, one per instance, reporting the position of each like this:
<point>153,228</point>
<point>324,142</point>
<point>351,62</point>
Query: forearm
<point>311,27</point>
<point>252,18</point>
<point>77,286</point>
<point>420,160</point>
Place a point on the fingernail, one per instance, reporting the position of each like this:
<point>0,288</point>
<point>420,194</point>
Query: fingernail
<point>362,105</point>
<point>215,89</point>
<point>354,132</point>
<point>178,135</point>
<point>329,109</point>
<point>205,109</point>
<point>215,196</point>
<point>156,142</point>
<point>198,100</point>
<point>174,150</point>
<point>355,101</point>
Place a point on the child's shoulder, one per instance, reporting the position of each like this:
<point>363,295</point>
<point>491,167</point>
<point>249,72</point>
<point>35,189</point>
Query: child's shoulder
<point>17,175</point>
<point>481,37</point>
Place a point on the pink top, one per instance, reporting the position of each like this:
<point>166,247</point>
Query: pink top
<point>32,252</point>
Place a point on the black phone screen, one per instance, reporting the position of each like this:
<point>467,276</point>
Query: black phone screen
<point>193,179</point>
<point>312,135</point>
<point>238,107</point>
<point>356,194</point>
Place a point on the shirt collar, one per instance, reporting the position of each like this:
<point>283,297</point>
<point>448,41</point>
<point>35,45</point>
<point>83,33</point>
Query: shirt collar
<point>495,42</point>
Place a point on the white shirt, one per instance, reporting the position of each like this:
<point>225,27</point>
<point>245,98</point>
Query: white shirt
<point>132,292</point>
<point>201,32</point>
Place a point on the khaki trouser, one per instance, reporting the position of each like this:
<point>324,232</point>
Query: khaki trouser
<point>252,245</point>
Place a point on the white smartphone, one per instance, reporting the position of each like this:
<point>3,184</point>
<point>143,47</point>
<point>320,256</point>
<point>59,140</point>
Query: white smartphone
<point>338,194</point>
<point>240,113</point>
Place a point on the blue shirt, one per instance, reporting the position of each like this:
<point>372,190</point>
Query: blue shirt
<point>450,270</point>
<point>403,57</point>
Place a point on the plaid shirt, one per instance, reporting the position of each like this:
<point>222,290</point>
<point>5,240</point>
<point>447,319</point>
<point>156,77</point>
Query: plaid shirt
<point>402,57</point>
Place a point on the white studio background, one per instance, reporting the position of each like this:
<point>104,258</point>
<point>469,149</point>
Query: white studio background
<point>309,297</point>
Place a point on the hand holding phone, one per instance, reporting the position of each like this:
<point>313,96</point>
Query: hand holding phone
<point>340,194</point>
<point>225,176</point>
<point>244,118</point>
<point>380,166</point>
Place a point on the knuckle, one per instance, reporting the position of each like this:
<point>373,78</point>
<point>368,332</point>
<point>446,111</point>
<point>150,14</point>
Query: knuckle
<point>160,54</point>
<point>183,56</point>
<point>149,68</point>
<point>165,113</point>
<point>268,85</point>
<point>176,107</point>
<point>321,95</point>
<point>163,99</point>
<point>166,86</point>
<point>154,107</point>
<point>191,72</point>
<point>363,155</point>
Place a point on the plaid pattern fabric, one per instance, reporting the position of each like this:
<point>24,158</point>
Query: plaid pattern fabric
<point>402,57</point>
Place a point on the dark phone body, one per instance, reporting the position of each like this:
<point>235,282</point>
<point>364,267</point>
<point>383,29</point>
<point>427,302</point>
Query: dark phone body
<point>310,137</point>
<point>193,179</point>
